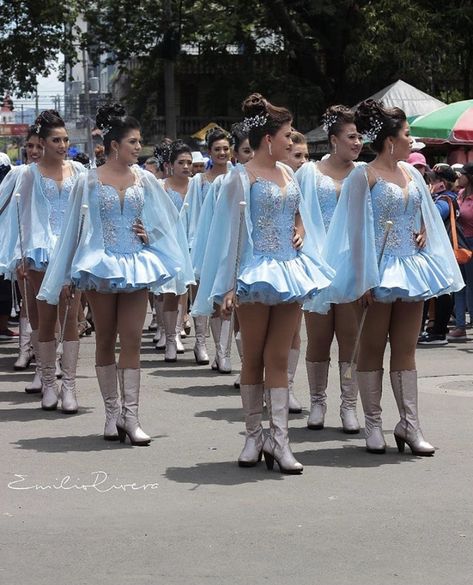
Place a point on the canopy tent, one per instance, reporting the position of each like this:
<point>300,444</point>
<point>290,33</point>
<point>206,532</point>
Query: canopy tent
<point>413,101</point>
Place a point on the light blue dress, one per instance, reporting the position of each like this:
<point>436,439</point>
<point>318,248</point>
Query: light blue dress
<point>355,239</point>
<point>175,197</point>
<point>320,192</point>
<point>42,211</point>
<point>107,256</point>
<point>270,270</point>
<point>174,286</point>
<point>203,227</point>
<point>195,197</point>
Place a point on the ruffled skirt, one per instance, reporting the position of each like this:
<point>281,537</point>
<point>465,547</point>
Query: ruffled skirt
<point>272,282</point>
<point>38,258</point>
<point>411,278</point>
<point>110,272</point>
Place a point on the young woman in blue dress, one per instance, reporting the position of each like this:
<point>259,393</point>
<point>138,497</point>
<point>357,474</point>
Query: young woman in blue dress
<point>321,183</point>
<point>391,271</point>
<point>132,241</point>
<point>261,244</point>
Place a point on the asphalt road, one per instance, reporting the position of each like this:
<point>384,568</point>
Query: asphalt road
<point>79,510</point>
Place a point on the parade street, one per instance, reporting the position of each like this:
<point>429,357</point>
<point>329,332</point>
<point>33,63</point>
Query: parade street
<point>79,510</point>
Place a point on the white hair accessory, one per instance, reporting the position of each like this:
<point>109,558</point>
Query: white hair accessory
<point>255,121</point>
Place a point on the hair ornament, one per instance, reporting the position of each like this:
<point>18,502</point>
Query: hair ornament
<point>255,121</point>
<point>38,128</point>
<point>374,129</point>
<point>328,120</point>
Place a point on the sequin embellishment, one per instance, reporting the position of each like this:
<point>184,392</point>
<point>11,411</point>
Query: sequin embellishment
<point>58,200</point>
<point>117,223</point>
<point>390,203</point>
<point>273,214</point>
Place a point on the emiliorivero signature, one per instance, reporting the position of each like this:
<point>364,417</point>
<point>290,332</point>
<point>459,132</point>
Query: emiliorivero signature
<point>100,483</point>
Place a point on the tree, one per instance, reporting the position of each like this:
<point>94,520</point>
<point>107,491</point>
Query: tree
<point>32,35</point>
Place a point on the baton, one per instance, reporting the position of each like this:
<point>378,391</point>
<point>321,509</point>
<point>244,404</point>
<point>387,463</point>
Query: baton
<point>84,209</point>
<point>349,372</point>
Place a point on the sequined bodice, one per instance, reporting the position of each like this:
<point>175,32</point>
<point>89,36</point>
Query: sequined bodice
<point>118,220</point>
<point>390,203</point>
<point>272,213</point>
<point>58,199</point>
<point>327,195</point>
<point>175,197</point>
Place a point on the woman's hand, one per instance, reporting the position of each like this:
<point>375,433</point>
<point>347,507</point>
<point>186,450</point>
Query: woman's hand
<point>140,231</point>
<point>22,272</point>
<point>297,240</point>
<point>366,300</point>
<point>421,238</point>
<point>229,303</point>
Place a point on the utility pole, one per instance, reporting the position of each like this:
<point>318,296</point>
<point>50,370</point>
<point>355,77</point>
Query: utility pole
<point>169,81</point>
<point>85,63</point>
<point>36,103</point>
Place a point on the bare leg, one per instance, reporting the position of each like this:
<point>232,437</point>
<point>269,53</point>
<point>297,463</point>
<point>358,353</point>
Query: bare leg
<point>131,314</point>
<point>104,310</point>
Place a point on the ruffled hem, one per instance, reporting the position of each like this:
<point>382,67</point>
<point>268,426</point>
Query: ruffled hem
<point>38,259</point>
<point>411,278</point>
<point>272,282</point>
<point>123,272</point>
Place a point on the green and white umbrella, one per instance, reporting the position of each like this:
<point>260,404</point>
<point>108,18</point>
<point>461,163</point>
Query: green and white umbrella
<point>452,124</point>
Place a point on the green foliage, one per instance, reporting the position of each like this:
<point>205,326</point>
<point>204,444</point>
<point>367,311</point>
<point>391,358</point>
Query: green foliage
<point>32,34</point>
<point>303,53</point>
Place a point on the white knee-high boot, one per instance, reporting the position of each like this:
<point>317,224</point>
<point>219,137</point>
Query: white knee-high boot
<point>317,374</point>
<point>47,356</point>
<point>370,386</point>
<point>295,406</point>
<point>36,385</point>
<point>170,321</point>
<point>252,401</point>
<point>200,347</point>
<point>404,383</point>
<point>128,423</point>
<point>349,395</point>
<point>70,356</point>
<point>107,379</point>
<point>276,446</point>
<point>26,354</point>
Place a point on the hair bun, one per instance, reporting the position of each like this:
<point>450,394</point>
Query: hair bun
<point>107,114</point>
<point>47,117</point>
<point>369,114</point>
<point>255,105</point>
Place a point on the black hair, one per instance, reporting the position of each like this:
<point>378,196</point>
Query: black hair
<point>215,134</point>
<point>31,132</point>
<point>262,118</point>
<point>239,134</point>
<point>335,117</point>
<point>378,123</point>
<point>46,121</point>
<point>114,123</point>
<point>82,158</point>
<point>176,148</point>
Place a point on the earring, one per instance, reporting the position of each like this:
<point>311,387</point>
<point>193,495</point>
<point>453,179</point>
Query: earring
<point>335,148</point>
<point>116,154</point>
<point>392,148</point>
<point>270,149</point>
